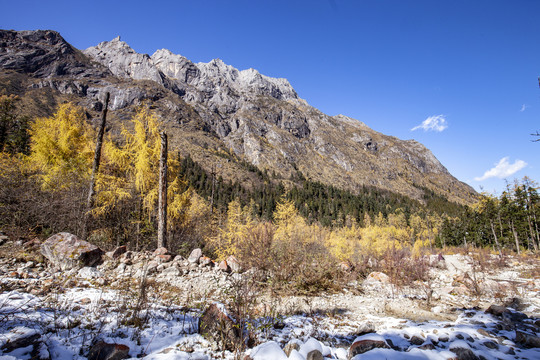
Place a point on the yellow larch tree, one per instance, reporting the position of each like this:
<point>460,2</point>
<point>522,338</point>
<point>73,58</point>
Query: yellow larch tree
<point>232,237</point>
<point>61,148</point>
<point>131,171</point>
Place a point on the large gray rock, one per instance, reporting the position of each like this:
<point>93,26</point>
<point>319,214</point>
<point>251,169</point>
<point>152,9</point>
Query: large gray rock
<point>195,255</point>
<point>66,251</point>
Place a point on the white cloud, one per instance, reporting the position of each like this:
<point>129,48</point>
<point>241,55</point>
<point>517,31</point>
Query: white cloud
<point>433,123</point>
<point>503,169</point>
<point>523,107</point>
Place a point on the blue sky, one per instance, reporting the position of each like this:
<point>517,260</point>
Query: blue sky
<point>468,68</point>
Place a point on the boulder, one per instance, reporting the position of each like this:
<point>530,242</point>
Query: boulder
<point>116,253</point>
<point>195,256</point>
<point>365,328</point>
<point>366,343</point>
<point>216,325</point>
<point>67,251</point>
<point>161,251</point>
<point>496,310</point>
<point>416,340</point>
<point>234,264</point>
<point>291,345</point>
<point>377,277</point>
<point>464,354</point>
<point>105,351</point>
<point>205,261</point>
<point>223,266</point>
<point>314,355</point>
<point>30,338</point>
<point>527,340</point>
<point>437,261</point>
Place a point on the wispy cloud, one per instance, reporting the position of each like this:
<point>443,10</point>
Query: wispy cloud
<point>523,107</point>
<point>433,123</point>
<point>503,169</point>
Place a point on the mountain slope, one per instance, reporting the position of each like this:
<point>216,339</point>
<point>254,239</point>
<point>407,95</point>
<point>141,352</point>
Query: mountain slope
<point>214,111</point>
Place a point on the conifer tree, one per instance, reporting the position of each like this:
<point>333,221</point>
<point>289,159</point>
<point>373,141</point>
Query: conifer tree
<point>61,148</point>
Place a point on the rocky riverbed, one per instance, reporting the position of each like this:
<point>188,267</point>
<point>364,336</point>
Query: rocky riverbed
<point>152,305</point>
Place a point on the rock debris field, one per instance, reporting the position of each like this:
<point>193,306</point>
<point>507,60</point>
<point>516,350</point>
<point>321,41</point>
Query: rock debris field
<point>154,305</point>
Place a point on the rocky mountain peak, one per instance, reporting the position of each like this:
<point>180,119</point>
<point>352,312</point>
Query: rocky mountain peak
<point>214,83</point>
<point>123,61</point>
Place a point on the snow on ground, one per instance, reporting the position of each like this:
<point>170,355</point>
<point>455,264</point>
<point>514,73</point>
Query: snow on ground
<point>64,323</point>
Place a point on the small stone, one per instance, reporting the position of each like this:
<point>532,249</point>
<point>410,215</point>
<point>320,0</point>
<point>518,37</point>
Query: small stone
<point>512,317</point>
<point>291,345</point>
<point>416,340</point>
<point>163,258</point>
<point>160,251</point>
<point>365,328</point>
<point>444,338</point>
<point>223,266</point>
<point>116,253</point>
<point>491,345</point>
<point>205,261</point>
<point>314,355</point>
<point>484,332</point>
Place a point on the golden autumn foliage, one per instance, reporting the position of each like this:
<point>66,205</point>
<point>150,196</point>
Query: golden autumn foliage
<point>344,242</point>
<point>230,239</point>
<point>61,153</point>
<point>131,170</point>
<point>61,148</point>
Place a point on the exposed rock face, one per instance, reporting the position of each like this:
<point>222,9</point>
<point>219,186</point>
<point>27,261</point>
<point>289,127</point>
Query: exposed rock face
<point>38,54</point>
<point>259,119</point>
<point>67,251</point>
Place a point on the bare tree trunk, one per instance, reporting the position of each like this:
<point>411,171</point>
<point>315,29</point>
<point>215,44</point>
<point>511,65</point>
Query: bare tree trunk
<point>495,236</point>
<point>95,166</point>
<point>162,205</point>
<point>515,237</point>
<point>536,229</point>
<point>533,235</point>
<point>213,186</point>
